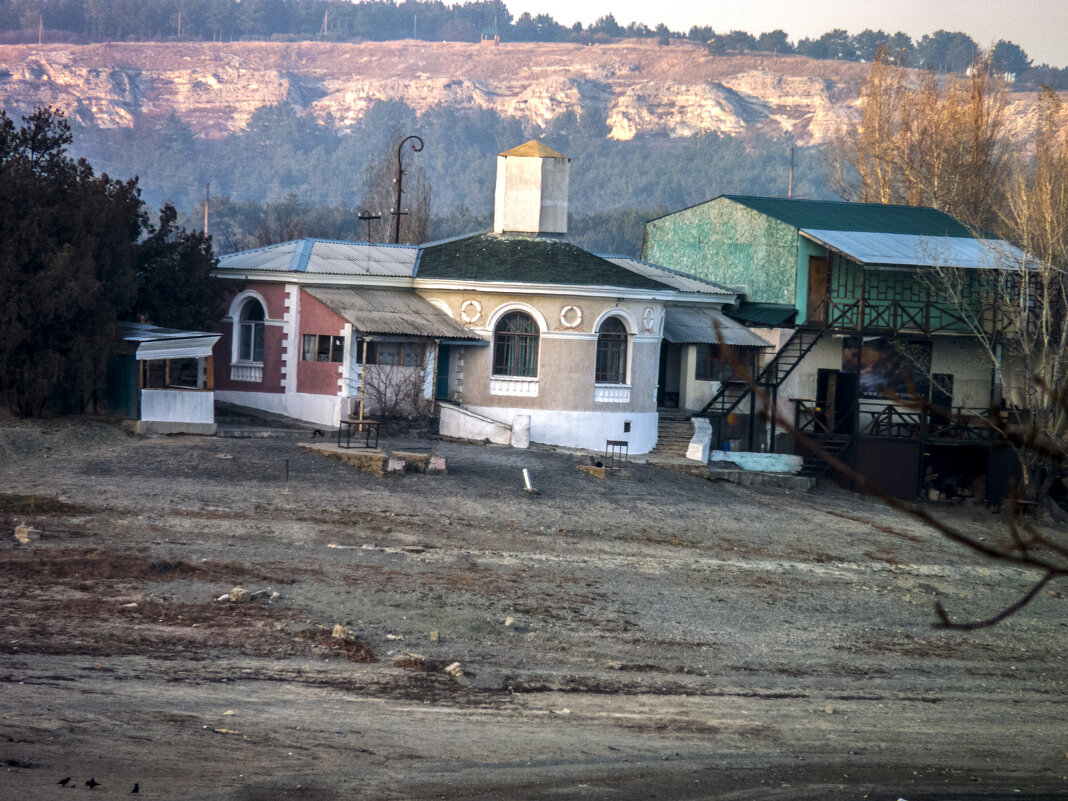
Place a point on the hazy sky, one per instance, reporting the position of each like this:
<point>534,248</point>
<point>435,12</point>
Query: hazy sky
<point>1039,26</point>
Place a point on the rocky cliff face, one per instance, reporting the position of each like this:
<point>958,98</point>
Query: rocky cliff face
<point>640,88</point>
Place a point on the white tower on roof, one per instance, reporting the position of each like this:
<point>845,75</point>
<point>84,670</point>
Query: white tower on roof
<point>531,196</point>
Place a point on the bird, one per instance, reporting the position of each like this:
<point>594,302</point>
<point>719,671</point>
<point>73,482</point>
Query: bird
<point>136,789</point>
<point>64,781</point>
<point>92,784</point>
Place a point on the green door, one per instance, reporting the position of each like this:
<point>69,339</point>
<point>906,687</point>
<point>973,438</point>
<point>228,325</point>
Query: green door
<point>441,386</point>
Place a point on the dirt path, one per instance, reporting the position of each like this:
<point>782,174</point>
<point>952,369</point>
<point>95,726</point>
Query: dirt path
<point>658,636</point>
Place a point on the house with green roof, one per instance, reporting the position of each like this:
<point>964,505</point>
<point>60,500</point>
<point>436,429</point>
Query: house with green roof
<point>873,310</point>
<point>514,334</point>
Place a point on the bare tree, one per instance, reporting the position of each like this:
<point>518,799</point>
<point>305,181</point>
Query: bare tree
<point>926,140</point>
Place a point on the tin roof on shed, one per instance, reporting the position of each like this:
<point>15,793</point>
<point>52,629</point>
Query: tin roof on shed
<point>390,311</point>
<point>881,249</point>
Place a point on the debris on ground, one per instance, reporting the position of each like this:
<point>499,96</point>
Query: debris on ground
<point>343,632</point>
<point>26,534</point>
<point>455,670</point>
<point>239,595</point>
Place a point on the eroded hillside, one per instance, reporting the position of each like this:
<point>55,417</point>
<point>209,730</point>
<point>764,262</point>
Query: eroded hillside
<point>640,88</point>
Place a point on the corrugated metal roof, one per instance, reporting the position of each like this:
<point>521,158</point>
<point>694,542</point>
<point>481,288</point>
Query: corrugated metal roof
<point>832,215</point>
<point>676,280</point>
<point>390,311</point>
<point>687,326</point>
<point>908,250</point>
<point>327,257</point>
<point>536,149</point>
<point>154,342</point>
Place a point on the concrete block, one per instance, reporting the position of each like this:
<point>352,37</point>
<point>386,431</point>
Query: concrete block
<point>521,431</point>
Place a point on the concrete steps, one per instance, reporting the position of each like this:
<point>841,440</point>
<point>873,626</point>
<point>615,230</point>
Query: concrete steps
<point>674,433</point>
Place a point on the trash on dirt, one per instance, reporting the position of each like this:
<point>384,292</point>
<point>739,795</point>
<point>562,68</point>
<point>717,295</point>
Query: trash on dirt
<point>509,621</point>
<point>224,597</point>
<point>129,606</point>
<point>396,464</point>
<point>224,456</point>
<point>226,731</point>
<point>239,595</point>
<point>437,464</point>
<point>342,632</point>
<point>394,636</point>
<point>26,534</point>
<point>455,670</point>
<point>343,547</point>
<point>413,549</point>
<point>229,712</point>
<point>434,636</point>
<point>564,711</point>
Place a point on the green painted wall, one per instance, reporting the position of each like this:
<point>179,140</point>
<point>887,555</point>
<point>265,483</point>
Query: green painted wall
<point>724,241</point>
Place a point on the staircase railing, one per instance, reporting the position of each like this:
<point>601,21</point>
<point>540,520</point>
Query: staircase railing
<point>731,393</point>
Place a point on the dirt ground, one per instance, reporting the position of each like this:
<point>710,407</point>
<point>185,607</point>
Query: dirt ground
<point>650,636</point>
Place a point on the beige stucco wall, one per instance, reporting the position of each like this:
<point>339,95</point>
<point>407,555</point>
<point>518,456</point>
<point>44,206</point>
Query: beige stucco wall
<point>566,349</point>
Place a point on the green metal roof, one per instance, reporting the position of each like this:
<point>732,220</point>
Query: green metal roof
<point>830,215</point>
<point>772,315</point>
<point>491,257</point>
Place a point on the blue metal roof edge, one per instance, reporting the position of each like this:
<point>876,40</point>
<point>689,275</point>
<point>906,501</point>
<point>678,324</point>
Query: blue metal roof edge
<point>302,256</point>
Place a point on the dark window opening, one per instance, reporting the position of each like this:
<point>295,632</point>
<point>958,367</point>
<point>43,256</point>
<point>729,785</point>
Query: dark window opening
<point>322,348</point>
<point>611,352</point>
<point>515,346</point>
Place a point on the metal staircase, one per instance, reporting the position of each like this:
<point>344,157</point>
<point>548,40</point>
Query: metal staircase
<point>732,393</point>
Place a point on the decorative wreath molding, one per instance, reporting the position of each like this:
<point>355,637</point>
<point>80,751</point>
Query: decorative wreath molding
<point>571,317</point>
<point>470,311</point>
<point>648,318</point>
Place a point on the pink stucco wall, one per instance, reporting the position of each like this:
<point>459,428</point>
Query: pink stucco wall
<point>274,345</point>
<point>319,378</point>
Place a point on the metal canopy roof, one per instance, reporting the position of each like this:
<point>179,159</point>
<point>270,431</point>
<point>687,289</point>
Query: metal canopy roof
<point>676,280</point>
<point>154,342</point>
<point>704,326</point>
<point>328,257</point>
<point>391,311</point>
<point>910,250</point>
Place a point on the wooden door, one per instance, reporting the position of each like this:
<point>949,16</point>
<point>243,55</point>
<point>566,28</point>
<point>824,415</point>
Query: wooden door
<point>816,306</point>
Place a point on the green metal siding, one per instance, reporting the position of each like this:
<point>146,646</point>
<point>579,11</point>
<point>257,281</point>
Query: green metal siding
<point>724,241</point>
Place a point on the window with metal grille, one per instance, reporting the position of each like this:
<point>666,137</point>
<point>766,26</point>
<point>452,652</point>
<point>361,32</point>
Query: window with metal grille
<point>611,352</point>
<point>515,346</point>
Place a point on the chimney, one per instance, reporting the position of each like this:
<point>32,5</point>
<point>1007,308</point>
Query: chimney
<point>531,196</point>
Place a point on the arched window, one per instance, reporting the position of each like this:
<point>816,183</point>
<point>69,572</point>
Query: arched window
<point>611,352</point>
<point>250,332</point>
<point>515,346</point>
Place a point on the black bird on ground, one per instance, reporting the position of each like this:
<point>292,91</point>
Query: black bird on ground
<point>92,784</point>
<point>64,781</point>
<point>136,789</point>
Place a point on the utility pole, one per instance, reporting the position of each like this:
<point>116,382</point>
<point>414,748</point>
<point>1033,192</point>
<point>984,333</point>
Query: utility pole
<point>790,186</point>
<point>207,202</point>
<point>366,216</point>
<point>417,145</point>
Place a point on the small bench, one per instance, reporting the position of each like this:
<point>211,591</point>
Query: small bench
<point>365,425</point>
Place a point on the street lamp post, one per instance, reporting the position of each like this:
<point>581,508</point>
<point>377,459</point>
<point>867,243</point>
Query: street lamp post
<point>417,145</point>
